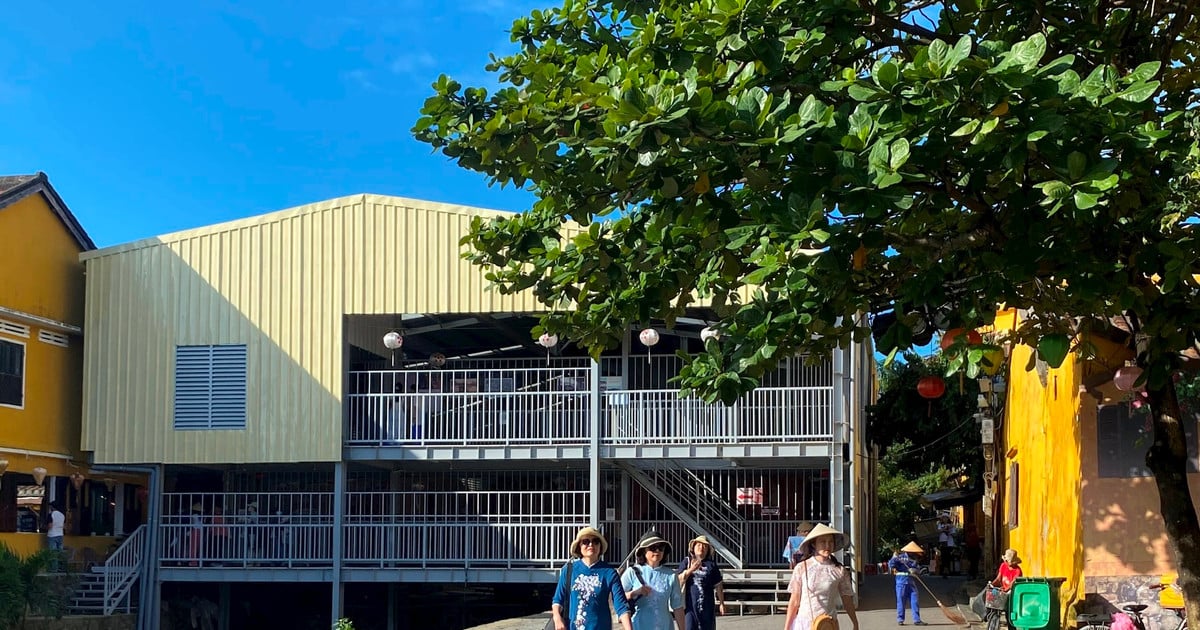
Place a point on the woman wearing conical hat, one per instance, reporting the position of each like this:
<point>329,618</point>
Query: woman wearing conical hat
<point>903,564</point>
<point>652,588</point>
<point>819,582</point>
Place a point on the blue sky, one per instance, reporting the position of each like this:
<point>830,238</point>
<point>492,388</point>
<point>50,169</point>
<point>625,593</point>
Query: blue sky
<point>151,117</point>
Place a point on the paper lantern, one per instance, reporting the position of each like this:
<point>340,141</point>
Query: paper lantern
<point>930,387</point>
<point>648,337</point>
<point>77,480</point>
<point>39,475</point>
<point>1126,376</point>
<point>548,340</point>
<point>709,333</point>
<point>437,359</point>
<point>951,337</point>
<point>393,340</point>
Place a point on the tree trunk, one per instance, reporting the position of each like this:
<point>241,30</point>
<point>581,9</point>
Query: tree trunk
<point>1167,459</point>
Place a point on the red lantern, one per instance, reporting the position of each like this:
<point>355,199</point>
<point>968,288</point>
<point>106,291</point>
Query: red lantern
<point>948,339</point>
<point>931,387</point>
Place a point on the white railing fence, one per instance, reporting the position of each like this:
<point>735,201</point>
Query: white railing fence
<point>462,528</point>
<point>247,529</point>
<point>122,569</point>
<point>764,415</point>
<point>499,406</point>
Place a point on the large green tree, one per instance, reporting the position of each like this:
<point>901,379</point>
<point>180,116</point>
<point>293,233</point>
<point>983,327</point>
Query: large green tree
<point>802,163</point>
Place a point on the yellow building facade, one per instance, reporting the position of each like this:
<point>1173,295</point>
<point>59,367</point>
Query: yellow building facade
<point>41,370</point>
<point>1073,496</point>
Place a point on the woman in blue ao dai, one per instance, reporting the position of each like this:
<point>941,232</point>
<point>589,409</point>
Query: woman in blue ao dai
<point>652,588</point>
<point>583,604</point>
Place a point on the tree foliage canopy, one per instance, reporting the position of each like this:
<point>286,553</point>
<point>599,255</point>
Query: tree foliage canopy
<point>837,157</point>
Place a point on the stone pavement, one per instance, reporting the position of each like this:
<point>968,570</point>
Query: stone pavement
<point>876,611</point>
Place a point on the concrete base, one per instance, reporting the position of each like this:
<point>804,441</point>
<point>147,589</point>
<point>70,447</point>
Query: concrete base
<point>82,622</point>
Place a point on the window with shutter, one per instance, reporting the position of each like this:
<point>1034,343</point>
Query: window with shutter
<point>210,387</point>
<point>1124,434</point>
<point>12,373</point>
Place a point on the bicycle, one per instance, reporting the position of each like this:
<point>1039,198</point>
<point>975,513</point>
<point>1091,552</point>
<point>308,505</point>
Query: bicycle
<point>997,608</point>
<point>1092,621</point>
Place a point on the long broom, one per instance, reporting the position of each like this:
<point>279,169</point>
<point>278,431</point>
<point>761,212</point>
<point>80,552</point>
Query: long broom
<point>954,616</point>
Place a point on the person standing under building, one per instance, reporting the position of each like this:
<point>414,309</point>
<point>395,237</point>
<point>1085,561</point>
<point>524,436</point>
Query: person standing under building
<point>791,551</point>
<point>56,523</point>
<point>946,545</point>
<point>903,565</point>
<point>818,582</point>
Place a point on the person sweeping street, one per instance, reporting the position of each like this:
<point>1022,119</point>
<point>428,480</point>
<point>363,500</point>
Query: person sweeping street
<point>904,563</point>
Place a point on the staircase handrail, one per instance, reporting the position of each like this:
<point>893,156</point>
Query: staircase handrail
<point>688,488</point>
<point>671,501</point>
<point>122,569</point>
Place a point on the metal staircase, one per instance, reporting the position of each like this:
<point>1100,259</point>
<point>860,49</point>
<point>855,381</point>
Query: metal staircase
<point>688,497</point>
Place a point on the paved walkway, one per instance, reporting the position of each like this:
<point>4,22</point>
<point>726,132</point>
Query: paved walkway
<point>877,609</point>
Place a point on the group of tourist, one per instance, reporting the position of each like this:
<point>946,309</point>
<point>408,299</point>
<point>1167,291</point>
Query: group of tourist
<point>651,595</point>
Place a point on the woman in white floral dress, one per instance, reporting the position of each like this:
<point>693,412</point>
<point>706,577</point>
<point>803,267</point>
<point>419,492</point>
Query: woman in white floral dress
<point>819,581</point>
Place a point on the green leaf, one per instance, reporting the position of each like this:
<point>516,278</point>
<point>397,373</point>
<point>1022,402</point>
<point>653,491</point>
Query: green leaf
<point>900,152</point>
<point>966,129</point>
<point>1144,72</point>
<point>1076,165</point>
<point>886,74</point>
<point>1029,52</point>
<point>1085,200</point>
<point>860,92</point>
<point>1139,92</point>
<point>1055,189</point>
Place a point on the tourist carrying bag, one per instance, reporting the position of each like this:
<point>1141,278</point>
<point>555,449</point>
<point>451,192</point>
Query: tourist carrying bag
<point>824,622</point>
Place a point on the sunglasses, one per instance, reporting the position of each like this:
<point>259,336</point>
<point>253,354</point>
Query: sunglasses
<point>590,541</point>
<point>657,548</point>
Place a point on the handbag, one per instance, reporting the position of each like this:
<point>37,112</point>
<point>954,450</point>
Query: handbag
<point>633,603</point>
<point>824,622</point>
<point>568,569</point>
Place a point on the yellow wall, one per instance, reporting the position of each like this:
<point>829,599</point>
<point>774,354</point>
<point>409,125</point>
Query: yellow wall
<point>1123,530</point>
<point>1041,427</point>
<point>42,277</point>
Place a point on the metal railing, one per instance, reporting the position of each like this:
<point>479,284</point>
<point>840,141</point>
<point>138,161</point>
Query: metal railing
<point>122,569</point>
<point>484,406</point>
<point>765,540</point>
<point>712,511</point>
<point>764,415</point>
<point>462,528</point>
<point>247,529</point>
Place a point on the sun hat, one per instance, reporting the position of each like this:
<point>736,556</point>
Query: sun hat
<point>699,539</point>
<point>1011,557</point>
<point>196,507</point>
<point>651,539</point>
<point>912,547</point>
<point>804,525</point>
<point>588,532</point>
<point>839,539</point>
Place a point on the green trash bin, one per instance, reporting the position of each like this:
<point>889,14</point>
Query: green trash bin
<point>1033,603</point>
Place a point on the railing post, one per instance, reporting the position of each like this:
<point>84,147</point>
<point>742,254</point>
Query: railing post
<point>594,455</point>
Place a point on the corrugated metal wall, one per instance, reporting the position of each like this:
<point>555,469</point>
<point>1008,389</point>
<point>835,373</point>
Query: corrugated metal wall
<point>280,284</point>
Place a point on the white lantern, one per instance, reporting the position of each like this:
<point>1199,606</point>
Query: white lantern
<point>548,340</point>
<point>39,475</point>
<point>648,337</point>
<point>393,340</point>
<point>437,359</point>
<point>709,333</point>
<point>1126,377</point>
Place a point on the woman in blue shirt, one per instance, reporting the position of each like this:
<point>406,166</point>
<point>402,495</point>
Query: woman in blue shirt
<point>702,586</point>
<point>652,588</point>
<point>583,604</point>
